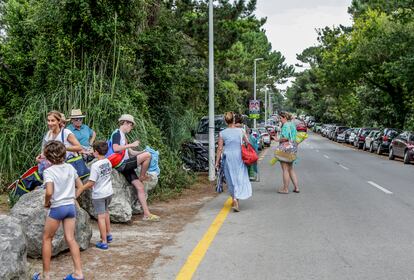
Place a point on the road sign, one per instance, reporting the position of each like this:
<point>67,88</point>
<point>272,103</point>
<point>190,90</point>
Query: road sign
<point>254,109</point>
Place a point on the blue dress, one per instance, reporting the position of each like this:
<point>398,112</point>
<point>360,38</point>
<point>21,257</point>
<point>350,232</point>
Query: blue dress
<point>235,170</point>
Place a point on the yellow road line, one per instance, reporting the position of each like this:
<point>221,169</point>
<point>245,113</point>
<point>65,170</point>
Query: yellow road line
<point>200,250</point>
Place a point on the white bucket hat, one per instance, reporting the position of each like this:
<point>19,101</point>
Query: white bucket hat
<point>76,113</point>
<point>128,118</point>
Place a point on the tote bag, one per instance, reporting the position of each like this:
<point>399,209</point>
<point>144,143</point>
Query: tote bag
<point>249,155</point>
<point>286,151</point>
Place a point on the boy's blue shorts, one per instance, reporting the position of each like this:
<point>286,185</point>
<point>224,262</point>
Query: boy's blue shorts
<point>63,212</point>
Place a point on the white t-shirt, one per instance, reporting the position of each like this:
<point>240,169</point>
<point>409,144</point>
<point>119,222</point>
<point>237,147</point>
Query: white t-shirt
<point>119,138</point>
<point>101,175</point>
<point>63,177</point>
<point>63,134</point>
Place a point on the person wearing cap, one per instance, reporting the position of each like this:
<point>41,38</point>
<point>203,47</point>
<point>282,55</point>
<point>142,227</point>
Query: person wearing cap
<point>85,135</point>
<point>131,160</point>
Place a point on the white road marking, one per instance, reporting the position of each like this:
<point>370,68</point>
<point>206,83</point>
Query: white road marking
<point>325,156</point>
<point>317,151</point>
<point>379,187</point>
<point>344,167</point>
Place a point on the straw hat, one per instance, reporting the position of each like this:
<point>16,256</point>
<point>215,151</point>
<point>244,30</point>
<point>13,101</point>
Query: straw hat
<point>76,113</point>
<point>127,117</point>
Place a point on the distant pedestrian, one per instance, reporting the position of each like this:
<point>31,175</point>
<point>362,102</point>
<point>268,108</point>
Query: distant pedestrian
<point>235,171</point>
<point>60,180</point>
<point>287,134</point>
<point>100,181</point>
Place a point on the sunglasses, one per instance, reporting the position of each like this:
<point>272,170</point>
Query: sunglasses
<point>78,119</point>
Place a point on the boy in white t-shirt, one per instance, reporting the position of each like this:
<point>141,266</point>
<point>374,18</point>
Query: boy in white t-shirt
<point>60,180</point>
<point>100,181</point>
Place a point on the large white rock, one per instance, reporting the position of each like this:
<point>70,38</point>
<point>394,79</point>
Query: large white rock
<point>31,214</point>
<point>124,202</point>
<point>13,262</point>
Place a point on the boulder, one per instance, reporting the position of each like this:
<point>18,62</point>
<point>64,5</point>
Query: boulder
<point>13,262</point>
<point>124,202</point>
<point>31,214</point>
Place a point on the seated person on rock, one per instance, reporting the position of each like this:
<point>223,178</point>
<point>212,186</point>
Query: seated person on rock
<point>131,160</point>
<point>100,181</point>
<point>85,135</point>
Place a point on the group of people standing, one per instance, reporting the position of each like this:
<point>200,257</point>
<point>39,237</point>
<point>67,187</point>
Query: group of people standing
<point>63,185</point>
<point>229,155</point>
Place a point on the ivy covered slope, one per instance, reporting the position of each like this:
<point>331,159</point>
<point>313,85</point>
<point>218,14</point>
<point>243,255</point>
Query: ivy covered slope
<point>362,75</point>
<point>148,58</point>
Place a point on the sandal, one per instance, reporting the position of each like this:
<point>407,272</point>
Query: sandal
<point>282,192</point>
<point>236,206</point>
<point>296,191</point>
<point>151,218</point>
<point>36,276</point>
<point>71,277</point>
<point>101,245</point>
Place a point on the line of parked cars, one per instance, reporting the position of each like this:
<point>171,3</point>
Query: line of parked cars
<point>393,141</point>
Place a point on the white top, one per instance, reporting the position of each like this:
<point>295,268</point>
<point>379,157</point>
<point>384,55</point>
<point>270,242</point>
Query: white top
<point>101,175</point>
<point>63,134</point>
<point>63,177</point>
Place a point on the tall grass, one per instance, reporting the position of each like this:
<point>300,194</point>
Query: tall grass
<point>103,99</point>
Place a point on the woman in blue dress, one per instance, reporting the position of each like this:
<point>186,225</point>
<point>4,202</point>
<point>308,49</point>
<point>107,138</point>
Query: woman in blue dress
<point>235,171</point>
<point>288,133</point>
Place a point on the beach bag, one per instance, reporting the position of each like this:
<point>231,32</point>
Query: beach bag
<point>249,155</point>
<point>286,151</point>
<point>153,166</point>
<point>26,183</point>
<point>80,166</point>
<point>114,158</point>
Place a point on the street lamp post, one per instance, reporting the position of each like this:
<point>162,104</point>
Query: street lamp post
<point>254,84</point>
<point>265,105</point>
<point>211,140</point>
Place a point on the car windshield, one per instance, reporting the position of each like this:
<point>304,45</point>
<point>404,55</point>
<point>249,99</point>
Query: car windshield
<point>411,138</point>
<point>365,133</point>
<point>392,133</point>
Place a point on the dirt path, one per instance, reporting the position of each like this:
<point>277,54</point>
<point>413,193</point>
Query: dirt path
<point>137,244</point>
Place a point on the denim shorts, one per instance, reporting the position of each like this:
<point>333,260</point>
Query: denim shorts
<point>63,212</point>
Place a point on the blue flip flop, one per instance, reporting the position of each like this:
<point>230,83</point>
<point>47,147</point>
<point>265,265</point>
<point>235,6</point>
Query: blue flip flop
<point>70,277</point>
<point>101,245</point>
<point>36,276</point>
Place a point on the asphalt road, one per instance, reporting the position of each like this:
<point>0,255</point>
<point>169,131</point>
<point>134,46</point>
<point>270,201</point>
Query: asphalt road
<point>354,219</point>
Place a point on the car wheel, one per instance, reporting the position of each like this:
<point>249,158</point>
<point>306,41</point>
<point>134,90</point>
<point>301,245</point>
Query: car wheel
<point>364,147</point>
<point>406,158</point>
<point>371,149</point>
<point>379,150</point>
<point>391,154</point>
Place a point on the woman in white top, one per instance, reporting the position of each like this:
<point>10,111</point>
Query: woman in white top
<point>58,133</point>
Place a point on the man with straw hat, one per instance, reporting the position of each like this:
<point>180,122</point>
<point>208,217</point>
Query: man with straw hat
<point>85,135</point>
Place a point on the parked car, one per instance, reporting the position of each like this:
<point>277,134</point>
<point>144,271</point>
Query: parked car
<point>271,130</point>
<point>338,130</point>
<point>344,136</point>
<point>360,138</point>
<point>353,135</point>
<point>382,142</point>
<point>265,136</point>
<point>256,134</point>
<point>201,134</point>
<point>403,146</point>
<point>369,140</point>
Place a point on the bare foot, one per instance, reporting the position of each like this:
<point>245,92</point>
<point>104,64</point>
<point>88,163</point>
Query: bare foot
<point>283,191</point>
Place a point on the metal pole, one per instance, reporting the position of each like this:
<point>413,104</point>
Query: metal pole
<point>211,140</point>
<point>254,88</point>
<point>254,85</point>
<point>265,105</point>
